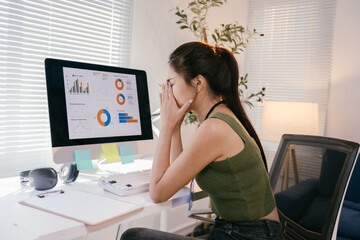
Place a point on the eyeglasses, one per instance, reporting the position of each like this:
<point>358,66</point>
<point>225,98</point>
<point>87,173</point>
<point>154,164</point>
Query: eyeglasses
<point>190,197</point>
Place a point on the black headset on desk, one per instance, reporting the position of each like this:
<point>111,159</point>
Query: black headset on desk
<point>47,178</point>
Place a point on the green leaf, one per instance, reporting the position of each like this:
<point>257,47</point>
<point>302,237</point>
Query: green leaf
<point>247,103</point>
<point>195,10</point>
<point>217,33</point>
<point>191,4</point>
<point>214,37</point>
<point>183,27</point>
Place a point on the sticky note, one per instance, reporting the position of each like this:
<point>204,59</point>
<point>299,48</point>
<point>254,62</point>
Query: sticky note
<point>111,152</point>
<point>82,158</point>
<point>126,154</point>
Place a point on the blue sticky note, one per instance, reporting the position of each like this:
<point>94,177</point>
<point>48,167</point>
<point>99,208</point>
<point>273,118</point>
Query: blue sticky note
<point>82,158</point>
<point>126,154</point>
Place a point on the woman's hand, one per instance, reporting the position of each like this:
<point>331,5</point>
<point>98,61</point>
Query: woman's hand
<point>171,115</point>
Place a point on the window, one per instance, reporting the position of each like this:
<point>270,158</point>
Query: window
<point>94,31</point>
<point>293,59</point>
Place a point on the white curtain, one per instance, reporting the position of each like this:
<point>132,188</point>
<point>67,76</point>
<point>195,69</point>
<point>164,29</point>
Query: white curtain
<point>93,31</point>
<point>293,58</point>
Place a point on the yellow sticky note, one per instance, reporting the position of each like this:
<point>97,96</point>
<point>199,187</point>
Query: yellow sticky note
<point>111,152</point>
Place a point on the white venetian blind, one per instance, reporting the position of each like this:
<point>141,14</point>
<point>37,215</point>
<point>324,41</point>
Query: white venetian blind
<point>293,58</point>
<point>94,31</point>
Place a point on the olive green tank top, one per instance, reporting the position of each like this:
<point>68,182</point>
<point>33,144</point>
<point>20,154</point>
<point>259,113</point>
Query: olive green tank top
<point>239,186</point>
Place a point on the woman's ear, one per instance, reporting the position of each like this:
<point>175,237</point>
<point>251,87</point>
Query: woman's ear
<point>199,82</point>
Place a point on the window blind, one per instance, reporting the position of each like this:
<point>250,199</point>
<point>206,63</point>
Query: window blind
<point>94,31</point>
<point>293,58</point>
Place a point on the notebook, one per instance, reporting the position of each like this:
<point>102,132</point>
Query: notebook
<point>82,206</point>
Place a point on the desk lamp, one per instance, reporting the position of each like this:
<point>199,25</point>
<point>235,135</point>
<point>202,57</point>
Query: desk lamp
<point>291,118</point>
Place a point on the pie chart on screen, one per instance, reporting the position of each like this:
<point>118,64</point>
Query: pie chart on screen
<point>119,84</point>
<point>120,99</point>
<point>103,113</point>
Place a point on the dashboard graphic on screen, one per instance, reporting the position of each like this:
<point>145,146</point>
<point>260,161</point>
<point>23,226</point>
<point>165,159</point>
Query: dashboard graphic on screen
<point>101,104</point>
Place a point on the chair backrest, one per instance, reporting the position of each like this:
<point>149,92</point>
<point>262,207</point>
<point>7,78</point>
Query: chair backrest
<point>353,193</point>
<point>308,176</point>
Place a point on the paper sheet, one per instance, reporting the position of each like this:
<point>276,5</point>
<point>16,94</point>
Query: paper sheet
<point>82,206</point>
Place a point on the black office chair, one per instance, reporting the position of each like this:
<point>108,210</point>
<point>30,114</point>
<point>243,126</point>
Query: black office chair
<point>309,188</point>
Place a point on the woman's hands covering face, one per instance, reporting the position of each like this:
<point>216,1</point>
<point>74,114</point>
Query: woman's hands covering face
<point>171,115</point>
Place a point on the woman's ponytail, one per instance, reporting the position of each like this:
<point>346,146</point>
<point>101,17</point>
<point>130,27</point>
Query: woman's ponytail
<point>232,96</point>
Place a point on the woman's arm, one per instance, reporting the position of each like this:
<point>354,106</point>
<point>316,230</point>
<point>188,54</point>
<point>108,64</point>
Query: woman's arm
<point>203,148</point>
<point>176,143</point>
<point>170,116</point>
<point>161,160</point>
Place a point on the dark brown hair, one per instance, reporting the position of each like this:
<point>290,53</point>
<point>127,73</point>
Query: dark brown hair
<point>220,69</point>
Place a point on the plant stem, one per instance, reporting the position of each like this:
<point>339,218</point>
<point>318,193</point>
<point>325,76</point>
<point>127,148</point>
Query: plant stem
<point>204,34</point>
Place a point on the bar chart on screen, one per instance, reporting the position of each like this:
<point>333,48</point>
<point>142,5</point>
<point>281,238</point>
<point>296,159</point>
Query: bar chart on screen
<point>125,118</point>
<point>78,86</point>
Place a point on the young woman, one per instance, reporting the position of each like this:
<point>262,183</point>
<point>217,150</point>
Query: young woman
<point>224,154</point>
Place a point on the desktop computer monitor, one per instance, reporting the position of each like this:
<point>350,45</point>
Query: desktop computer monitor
<point>90,105</point>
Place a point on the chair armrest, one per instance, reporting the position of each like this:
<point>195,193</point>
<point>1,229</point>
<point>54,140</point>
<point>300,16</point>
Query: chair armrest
<point>196,212</point>
<point>299,195</point>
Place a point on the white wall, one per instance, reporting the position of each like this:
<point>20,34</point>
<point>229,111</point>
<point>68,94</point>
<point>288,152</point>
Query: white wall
<point>343,119</point>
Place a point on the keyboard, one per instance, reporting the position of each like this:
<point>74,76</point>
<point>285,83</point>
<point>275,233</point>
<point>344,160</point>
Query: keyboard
<point>131,179</point>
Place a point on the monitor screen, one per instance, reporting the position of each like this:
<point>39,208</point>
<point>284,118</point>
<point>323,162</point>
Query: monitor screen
<point>96,104</point>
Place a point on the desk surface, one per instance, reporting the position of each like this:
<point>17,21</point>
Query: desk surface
<point>18,221</point>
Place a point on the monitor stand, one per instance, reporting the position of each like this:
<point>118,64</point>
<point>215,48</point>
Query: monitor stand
<point>118,167</point>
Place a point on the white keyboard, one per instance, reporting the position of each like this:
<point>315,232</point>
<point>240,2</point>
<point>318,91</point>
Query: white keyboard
<point>127,182</point>
<point>124,184</point>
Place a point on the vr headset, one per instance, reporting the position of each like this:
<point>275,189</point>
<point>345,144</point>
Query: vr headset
<point>47,178</point>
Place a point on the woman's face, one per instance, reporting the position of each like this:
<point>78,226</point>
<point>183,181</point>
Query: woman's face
<point>181,90</point>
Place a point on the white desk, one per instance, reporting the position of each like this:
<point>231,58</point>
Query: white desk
<point>18,221</point>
